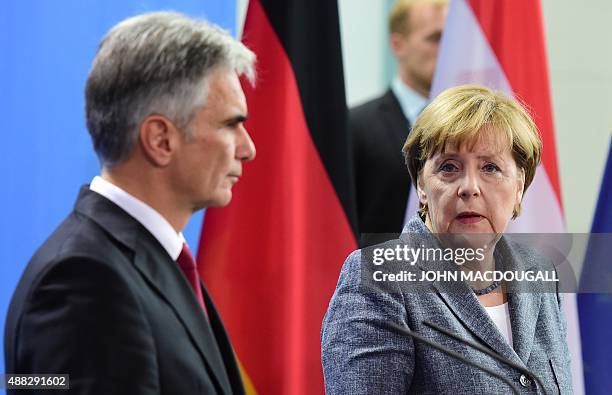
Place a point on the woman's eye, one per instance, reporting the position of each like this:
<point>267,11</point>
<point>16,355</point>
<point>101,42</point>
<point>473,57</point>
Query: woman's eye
<point>490,168</point>
<point>448,167</point>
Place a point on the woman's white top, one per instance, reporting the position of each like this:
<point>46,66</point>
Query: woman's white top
<point>501,317</point>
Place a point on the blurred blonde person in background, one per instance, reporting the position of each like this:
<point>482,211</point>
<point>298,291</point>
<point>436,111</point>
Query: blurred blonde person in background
<point>380,126</point>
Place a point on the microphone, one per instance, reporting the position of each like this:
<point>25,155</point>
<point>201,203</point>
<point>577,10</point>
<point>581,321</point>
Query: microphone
<point>453,354</point>
<point>486,351</point>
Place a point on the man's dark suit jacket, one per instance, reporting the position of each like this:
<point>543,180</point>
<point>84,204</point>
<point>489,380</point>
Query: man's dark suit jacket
<point>102,301</point>
<point>379,130</point>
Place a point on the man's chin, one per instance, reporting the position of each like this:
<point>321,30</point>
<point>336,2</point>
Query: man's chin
<point>222,200</point>
<point>218,201</point>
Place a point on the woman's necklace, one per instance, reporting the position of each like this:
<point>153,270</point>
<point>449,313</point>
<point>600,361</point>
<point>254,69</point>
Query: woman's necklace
<point>487,290</point>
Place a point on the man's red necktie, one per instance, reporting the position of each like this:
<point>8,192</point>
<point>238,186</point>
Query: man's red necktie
<point>188,266</point>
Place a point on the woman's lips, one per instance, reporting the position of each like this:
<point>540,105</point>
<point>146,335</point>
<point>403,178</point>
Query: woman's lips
<point>470,218</point>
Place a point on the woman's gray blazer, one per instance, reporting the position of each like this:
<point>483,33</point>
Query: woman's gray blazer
<point>362,354</point>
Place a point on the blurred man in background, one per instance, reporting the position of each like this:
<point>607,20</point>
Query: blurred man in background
<point>379,127</point>
<point>113,298</point>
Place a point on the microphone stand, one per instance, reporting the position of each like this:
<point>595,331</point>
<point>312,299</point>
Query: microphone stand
<point>454,354</point>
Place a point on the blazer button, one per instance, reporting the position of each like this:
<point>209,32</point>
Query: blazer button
<point>525,381</point>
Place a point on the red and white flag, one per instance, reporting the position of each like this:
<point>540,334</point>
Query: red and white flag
<point>500,44</point>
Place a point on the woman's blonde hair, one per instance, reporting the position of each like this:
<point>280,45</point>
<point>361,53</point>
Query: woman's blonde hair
<point>459,115</point>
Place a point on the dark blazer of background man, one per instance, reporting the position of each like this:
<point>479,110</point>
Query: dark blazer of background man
<point>112,298</point>
<point>379,127</point>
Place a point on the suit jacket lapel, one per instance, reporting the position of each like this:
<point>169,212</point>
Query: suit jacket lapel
<point>227,351</point>
<point>465,306</point>
<point>523,303</point>
<point>398,126</point>
<point>524,309</point>
<point>162,274</point>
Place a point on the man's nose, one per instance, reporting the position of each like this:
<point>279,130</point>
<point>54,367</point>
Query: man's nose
<point>245,149</point>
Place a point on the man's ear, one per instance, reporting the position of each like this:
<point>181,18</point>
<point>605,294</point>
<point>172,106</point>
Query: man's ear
<point>157,137</point>
<point>396,42</point>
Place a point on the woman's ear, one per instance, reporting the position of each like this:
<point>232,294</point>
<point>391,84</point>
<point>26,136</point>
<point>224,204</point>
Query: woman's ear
<point>421,189</point>
<point>520,186</point>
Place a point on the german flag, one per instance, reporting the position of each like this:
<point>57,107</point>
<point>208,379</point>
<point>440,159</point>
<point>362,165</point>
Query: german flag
<point>271,259</point>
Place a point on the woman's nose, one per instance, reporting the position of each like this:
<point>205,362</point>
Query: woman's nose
<point>469,185</point>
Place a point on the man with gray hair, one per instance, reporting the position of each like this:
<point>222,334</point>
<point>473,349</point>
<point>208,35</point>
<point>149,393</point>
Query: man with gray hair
<point>113,298</point>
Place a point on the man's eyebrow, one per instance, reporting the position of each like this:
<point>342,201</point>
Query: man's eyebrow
<point>235,120</point>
